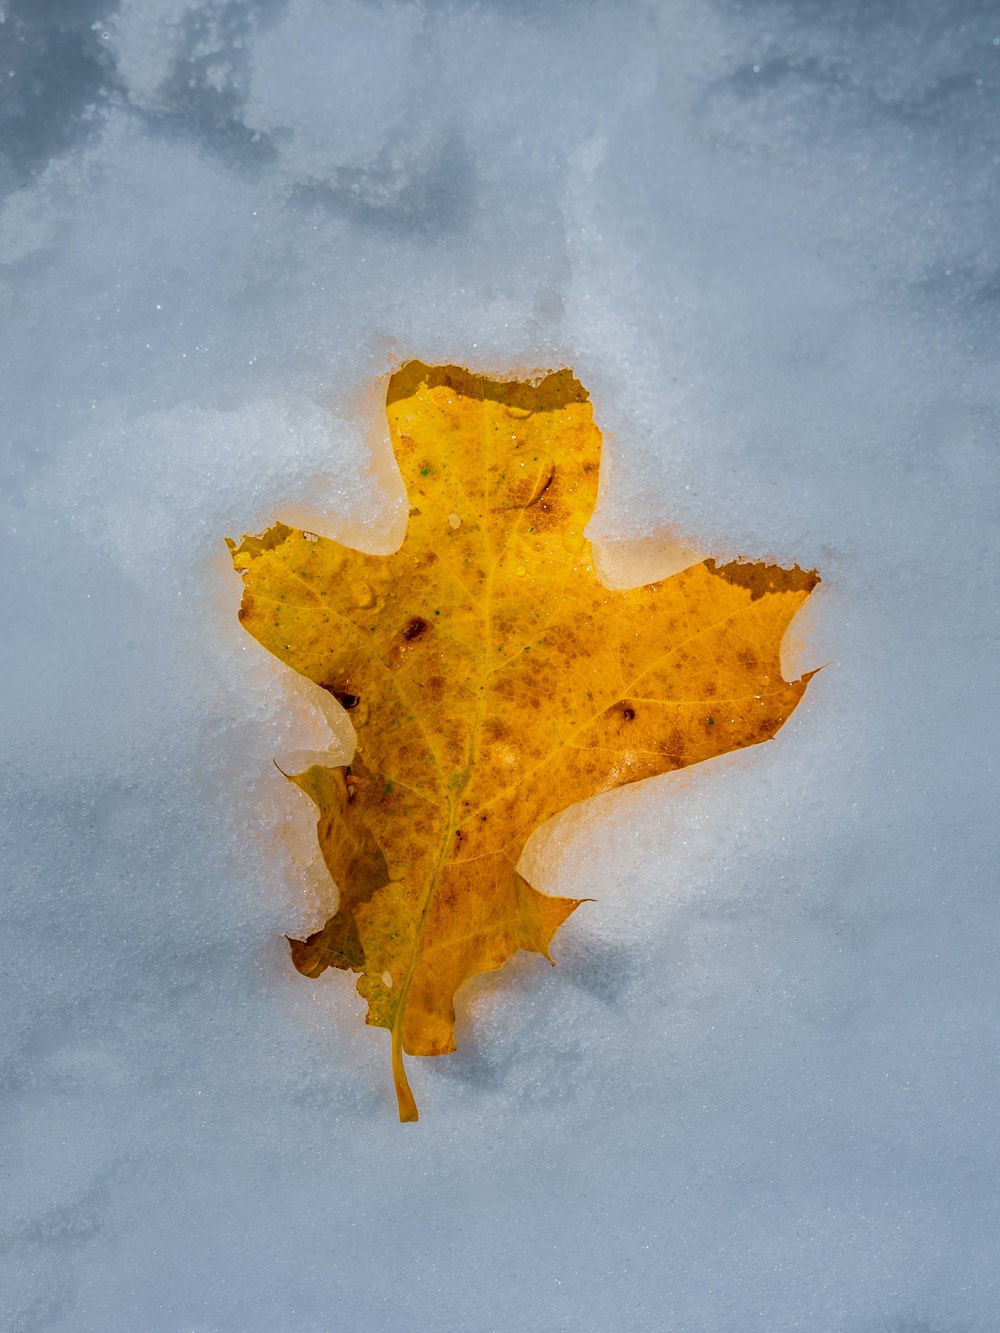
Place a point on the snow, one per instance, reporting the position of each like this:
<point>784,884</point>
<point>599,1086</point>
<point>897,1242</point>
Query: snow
<point>759,1091</point>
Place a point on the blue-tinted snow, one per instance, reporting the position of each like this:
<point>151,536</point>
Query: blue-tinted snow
<point>760,1091</point>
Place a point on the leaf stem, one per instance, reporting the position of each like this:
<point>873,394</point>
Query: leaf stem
<point>404,1097</point>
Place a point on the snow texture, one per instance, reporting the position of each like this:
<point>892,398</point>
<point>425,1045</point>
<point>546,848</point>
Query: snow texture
<point>759,1093</point>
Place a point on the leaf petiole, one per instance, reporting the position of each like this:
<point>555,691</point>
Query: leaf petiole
<point>404,1097</point>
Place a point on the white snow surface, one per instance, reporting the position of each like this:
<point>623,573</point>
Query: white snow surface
<point>759,1092</point>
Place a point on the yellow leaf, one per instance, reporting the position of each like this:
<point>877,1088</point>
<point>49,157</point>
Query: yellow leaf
<point>493,681</point>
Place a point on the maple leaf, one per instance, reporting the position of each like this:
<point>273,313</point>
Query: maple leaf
<point>493,681</point>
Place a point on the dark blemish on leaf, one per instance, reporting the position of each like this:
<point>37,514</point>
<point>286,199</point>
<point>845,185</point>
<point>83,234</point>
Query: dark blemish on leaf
<point>342,696</point>
<point>628,714</point>
<point>710,721</point>
<point>760,579</point>
<point>416,629</point>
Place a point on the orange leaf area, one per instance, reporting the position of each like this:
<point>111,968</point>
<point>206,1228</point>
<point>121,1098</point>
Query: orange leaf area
<point>493,681</point>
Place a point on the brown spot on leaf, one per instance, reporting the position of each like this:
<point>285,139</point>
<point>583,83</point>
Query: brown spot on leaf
<point>345,697</point>
<point>550,394</point>
<point>416,629</point>
<point>760,579</point>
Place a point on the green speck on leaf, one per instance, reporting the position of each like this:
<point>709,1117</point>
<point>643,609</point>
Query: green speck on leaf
<point>426,470</point>
<point>710,721</point>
